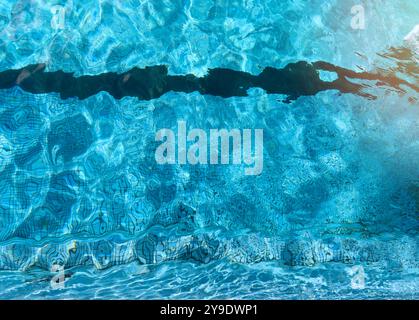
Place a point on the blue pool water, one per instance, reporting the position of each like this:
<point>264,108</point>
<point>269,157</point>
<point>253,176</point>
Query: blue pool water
<point>333,215</point>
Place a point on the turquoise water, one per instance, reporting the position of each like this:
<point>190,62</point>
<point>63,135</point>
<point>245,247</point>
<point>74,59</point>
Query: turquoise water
<point>217,280</point>
<point>80,187</point>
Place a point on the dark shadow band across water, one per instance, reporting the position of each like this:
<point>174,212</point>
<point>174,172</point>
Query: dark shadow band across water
<point>294,80</point>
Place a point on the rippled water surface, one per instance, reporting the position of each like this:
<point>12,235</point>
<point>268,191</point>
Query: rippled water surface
<point>333,215</point>
<point>217,280</point>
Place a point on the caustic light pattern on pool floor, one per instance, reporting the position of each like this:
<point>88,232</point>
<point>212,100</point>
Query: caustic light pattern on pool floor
<point>86,211</point>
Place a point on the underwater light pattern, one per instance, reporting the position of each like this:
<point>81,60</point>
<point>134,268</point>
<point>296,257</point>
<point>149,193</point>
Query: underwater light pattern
<point>86,212</point>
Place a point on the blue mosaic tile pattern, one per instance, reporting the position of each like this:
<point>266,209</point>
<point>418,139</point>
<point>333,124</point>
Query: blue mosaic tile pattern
<point>80,187</point>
